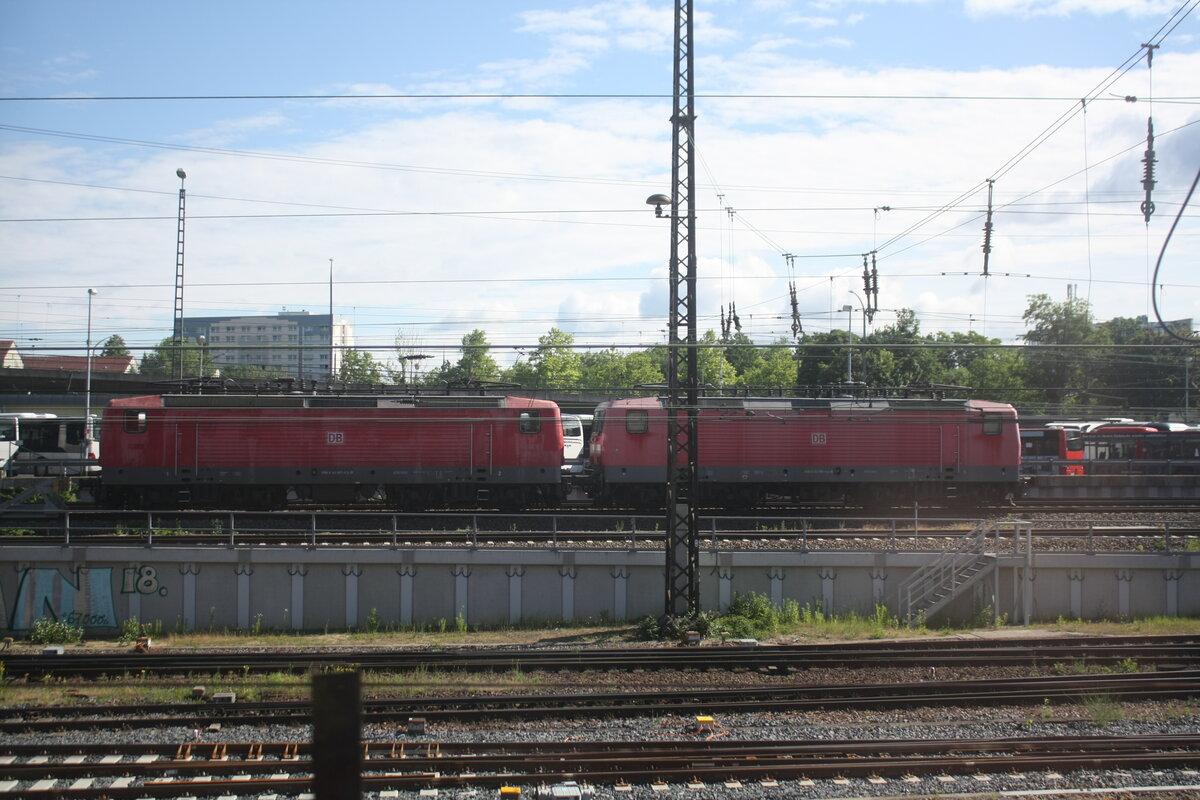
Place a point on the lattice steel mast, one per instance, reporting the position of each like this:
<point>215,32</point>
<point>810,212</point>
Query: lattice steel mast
<point>682,400</point>
<point>177,334</point>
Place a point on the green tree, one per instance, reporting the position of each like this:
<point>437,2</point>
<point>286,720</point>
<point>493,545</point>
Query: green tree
<point>114,347</point>
<point>555,364</point>
<point>641,369</point>
<point>1060,372</point>
<point>741,352</point>
<point>606,369</point>
<point>611,369</point>
<point>523,373</point>
<point>904,366</point>
<point>1150,370</point>
<point>359,366</point>
<point>712,368</point>
<point>822,359</point>
<point>164,360</point>
<point>776,367</point>
<point>477,363</point>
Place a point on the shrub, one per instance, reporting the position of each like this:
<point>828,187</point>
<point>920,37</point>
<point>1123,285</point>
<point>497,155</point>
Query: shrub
<point>52,631</point>
<point>648,629</point>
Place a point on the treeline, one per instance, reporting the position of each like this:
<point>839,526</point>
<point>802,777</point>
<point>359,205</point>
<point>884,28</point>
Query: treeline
<point>1068,361</point>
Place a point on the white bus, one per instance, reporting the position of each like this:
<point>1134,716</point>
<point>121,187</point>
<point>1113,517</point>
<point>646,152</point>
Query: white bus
<point>575,430</point>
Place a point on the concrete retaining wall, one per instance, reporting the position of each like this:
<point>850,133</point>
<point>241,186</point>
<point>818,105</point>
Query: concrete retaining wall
<point>1114,487</point>
<point>340,588</point>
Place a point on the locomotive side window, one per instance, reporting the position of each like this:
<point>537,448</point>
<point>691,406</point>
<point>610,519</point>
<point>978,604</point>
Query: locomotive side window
<point>637,421</point>
<point>992,426</point>
<point>531,421</point>
<point>135,421</point>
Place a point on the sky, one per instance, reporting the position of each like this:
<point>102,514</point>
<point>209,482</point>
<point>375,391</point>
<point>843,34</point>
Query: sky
<point>484,164</point>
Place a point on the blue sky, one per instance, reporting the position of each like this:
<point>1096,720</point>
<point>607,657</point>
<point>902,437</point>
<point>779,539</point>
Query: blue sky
<point>515,214</point>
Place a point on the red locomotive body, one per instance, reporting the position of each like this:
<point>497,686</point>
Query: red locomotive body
<point>261,451</point>
<point>861,451</point>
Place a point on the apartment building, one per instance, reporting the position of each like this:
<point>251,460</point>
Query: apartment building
<point>292,343</point>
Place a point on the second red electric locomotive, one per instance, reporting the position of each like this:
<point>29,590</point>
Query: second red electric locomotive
<point>865,452</point>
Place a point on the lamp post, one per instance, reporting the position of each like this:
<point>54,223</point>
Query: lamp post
<point>202,341</point>
<point>862,309</point>
<point>87,392</point>
<point>849,309</point>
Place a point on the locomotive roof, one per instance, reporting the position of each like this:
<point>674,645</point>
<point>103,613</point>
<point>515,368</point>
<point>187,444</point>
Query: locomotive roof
<point>325,401</point>
<point>827,404</point>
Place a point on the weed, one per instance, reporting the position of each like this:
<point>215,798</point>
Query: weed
<point>131,630</point>
<point>1047,711</point>
<point>52,631</point>
<point>1103,710</point>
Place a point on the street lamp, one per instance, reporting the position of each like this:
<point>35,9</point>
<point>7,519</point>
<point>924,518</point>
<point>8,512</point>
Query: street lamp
<point>849,309</point>
<point>201,340</point>
<point>87,394</point>
<point>862,310</point>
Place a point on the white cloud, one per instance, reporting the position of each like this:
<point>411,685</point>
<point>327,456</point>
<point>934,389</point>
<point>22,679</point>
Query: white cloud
<point>1133,8</point>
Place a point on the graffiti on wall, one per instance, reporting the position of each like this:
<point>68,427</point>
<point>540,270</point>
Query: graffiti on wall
<point>82,596</point>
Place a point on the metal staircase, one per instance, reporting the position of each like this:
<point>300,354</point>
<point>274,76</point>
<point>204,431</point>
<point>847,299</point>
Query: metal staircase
<point>962,566</point>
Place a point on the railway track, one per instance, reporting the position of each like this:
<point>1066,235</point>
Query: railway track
<point>395,713</point>
<point>314,529</point>
<point>1157,652</point>
<point>280,768</point>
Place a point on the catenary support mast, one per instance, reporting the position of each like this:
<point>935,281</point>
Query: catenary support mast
<point>177,333</point>
<point>683,550</point>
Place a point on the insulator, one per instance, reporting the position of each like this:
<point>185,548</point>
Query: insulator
<point>1148,162</point>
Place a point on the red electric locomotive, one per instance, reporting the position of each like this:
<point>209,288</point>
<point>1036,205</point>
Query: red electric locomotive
<point>863,452</point>
<point>410,452</point>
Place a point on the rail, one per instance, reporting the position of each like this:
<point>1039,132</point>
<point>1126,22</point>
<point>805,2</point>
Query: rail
<point>313,529</point>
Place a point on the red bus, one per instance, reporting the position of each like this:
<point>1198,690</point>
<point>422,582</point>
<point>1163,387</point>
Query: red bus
<point>1051,451</point>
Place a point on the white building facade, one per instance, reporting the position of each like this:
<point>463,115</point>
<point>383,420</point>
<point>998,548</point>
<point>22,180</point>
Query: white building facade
<point>293,344</point>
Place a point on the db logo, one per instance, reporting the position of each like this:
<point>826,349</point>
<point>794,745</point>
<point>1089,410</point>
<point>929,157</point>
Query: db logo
<point>820,438</point>
<point>335,438</point>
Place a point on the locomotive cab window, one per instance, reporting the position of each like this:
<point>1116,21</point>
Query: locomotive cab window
<point>992,426</point>
<point>531,421</point>
<point>135,421</point>
<point>637,421</point>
